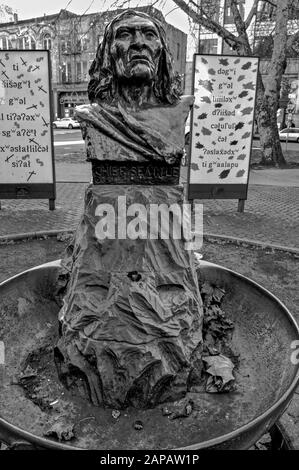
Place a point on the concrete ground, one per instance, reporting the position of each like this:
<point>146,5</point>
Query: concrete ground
<point>271,210</point>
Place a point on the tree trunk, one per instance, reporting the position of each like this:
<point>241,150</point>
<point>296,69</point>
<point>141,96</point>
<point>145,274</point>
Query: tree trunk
<point>268,94</point>
<point>266,112</point>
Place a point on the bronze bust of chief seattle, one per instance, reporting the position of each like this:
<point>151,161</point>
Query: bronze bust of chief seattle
<point>132,313</point>
<point>136,103</point>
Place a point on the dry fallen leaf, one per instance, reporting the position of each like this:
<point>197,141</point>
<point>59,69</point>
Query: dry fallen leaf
<point>212,293</point>
<point>61,430</point>
<point>220,368</point>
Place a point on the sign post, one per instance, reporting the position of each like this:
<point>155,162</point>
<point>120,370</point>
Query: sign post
<point>221,131</point>
<point>26,150</point>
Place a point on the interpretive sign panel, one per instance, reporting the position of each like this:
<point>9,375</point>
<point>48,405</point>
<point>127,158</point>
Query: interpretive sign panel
<point>26,144</point>
<point>221,126</point>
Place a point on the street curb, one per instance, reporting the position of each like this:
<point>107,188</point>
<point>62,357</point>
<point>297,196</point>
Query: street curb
<point>247,241</point>
<point>6,239</point>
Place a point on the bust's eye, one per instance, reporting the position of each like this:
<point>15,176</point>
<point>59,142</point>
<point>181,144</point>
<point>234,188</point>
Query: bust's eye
<point>123,35</point>
<point>150,35</point>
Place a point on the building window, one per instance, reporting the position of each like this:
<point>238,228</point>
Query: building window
<point>81,45</point>
<point>63,73</point>
<point>78,46</point>
<point>211,8</point>
<point>208,46</point>
<point>69,72</point>
<point>81,71</point>
<point>242,8</point>
<point>20,43</point>
<point>78,72</point>
<point>228,16</point>
<point>65,45</point>
<point>5,43</point>
<point>66,72</point>
<point>84,42</point>
<point>85,71</point>
<point>26,42</point>
<point>47,42</point>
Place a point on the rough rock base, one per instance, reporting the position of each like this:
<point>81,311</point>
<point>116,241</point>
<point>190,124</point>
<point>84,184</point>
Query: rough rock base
<point>131,321</point>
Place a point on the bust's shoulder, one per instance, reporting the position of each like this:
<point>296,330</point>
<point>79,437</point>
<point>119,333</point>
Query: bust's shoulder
<point>85,109</point>
<point>188,100</point>
<point>185,102</point>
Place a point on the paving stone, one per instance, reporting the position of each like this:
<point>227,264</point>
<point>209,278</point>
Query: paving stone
<point>271,214</point>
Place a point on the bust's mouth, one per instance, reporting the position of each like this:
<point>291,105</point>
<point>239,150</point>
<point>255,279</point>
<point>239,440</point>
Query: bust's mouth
<point>140,58</point>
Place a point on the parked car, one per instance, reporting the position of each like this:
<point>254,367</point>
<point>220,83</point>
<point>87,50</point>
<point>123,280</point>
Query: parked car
<point>66,123</point>
<point>292,133</point>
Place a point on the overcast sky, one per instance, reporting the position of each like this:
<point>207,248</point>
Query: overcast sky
<point>31,8</point>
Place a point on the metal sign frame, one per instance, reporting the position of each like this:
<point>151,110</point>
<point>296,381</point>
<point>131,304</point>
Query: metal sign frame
<point>35,190</point>
<point>218,190</point>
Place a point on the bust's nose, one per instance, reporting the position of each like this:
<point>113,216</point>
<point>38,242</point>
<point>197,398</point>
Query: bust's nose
<point>138,39</point>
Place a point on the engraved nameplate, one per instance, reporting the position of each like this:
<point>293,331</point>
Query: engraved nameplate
<point>105,172</point>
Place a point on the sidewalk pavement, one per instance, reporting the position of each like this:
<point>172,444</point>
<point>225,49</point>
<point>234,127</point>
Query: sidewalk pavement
<point>271,211</point>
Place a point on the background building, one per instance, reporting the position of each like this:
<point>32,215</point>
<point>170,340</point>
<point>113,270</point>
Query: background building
<point>6,14</point>
<point>220,11</point>
<point>73,40</point>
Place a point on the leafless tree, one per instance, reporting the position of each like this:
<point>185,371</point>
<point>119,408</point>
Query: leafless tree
<point>278,14</point>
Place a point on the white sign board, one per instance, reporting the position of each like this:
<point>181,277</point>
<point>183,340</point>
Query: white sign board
<point>222,125</point>
<point>26,152</point>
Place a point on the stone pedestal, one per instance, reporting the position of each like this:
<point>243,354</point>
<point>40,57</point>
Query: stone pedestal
<point>132,314</point>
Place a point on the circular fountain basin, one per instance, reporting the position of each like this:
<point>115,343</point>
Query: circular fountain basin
<point>264,337</point>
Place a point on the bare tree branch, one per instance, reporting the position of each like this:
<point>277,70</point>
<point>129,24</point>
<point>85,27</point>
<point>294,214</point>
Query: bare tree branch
<point>173,9</point>
<point>196,5</point>
<point>251,14</point>
<point>240,25</point>
<point>273,4</point>
<point>208,23</point>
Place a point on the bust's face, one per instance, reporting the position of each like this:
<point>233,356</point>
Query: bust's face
<point>136,48</point>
